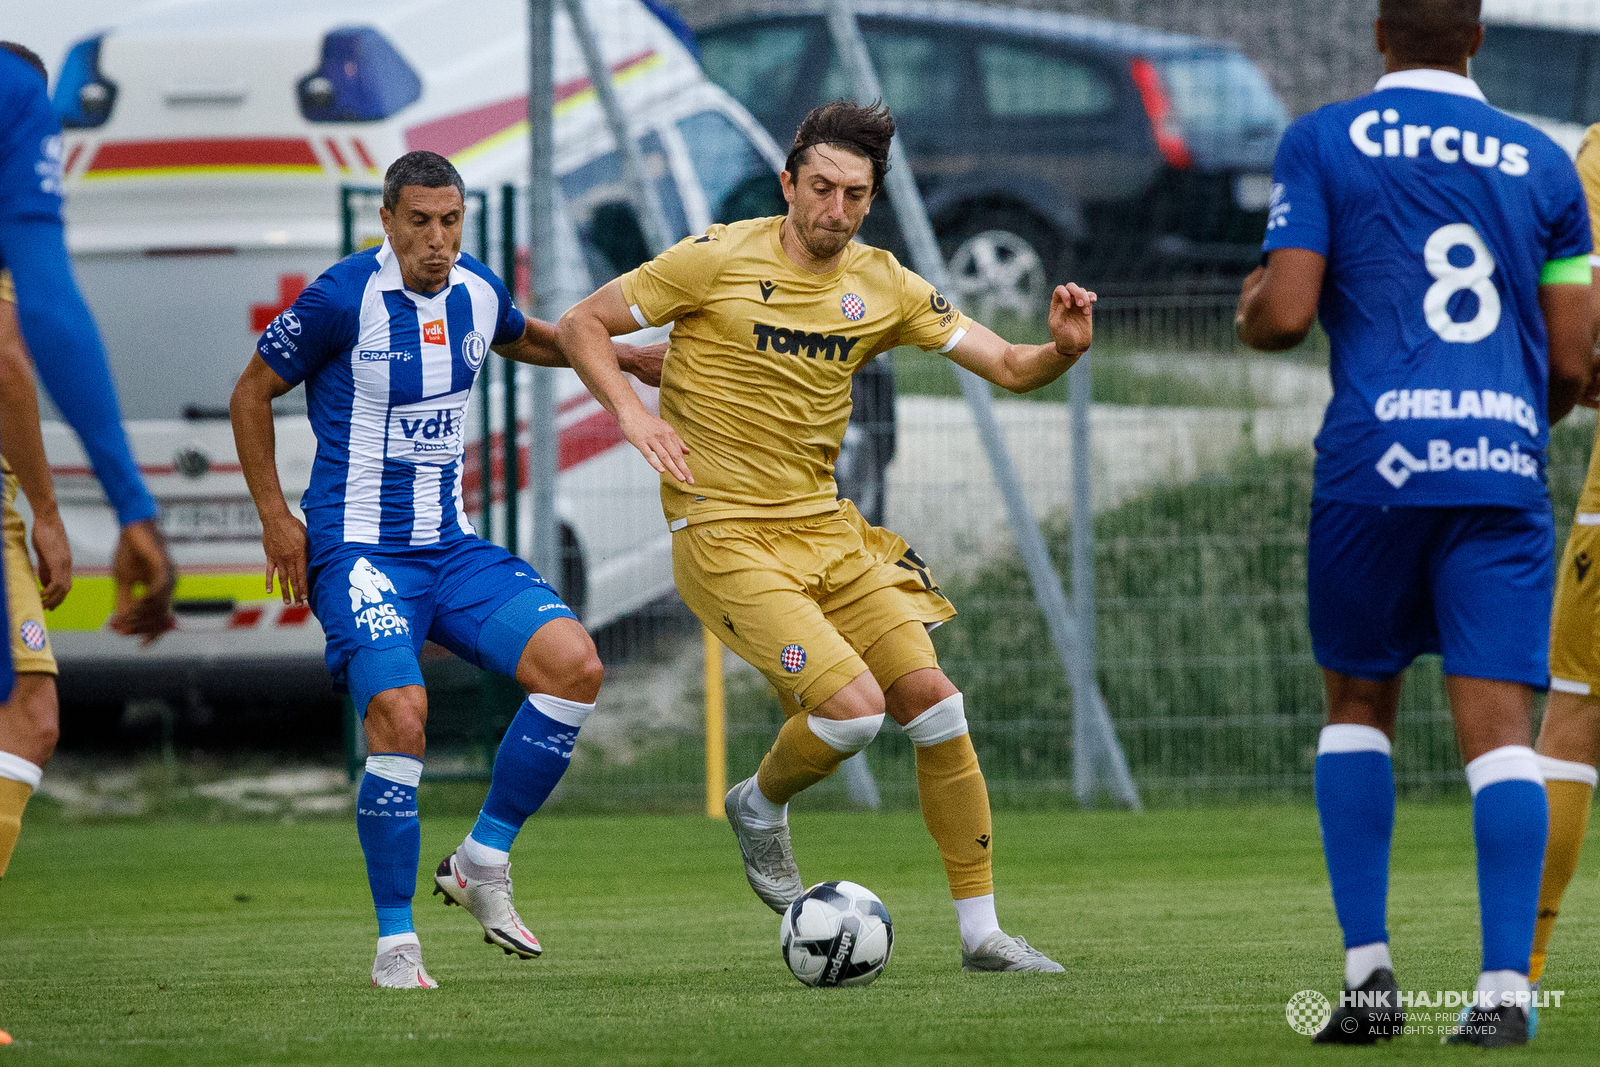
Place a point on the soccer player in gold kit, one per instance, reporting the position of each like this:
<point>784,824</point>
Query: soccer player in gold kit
<point>773,318</point>
<point>1569,736</point>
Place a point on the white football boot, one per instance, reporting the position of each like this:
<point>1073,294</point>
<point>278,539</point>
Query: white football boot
<point>401,968</point>
<point>1002,952</point>
<point>486,893</point>
<point>768,858</point>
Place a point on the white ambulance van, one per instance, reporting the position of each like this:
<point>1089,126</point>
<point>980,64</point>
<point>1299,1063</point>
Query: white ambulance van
<point>206,144</point>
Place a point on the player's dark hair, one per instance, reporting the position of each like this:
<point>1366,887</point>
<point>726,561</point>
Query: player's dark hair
<point>23,52</point>
<point>1434,33</point>
<point>427,169</point>
<point>864,131</point>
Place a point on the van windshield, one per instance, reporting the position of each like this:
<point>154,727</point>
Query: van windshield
<point>737,182</point>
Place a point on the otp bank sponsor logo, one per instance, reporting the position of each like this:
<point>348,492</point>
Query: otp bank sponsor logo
<point>433,332</point>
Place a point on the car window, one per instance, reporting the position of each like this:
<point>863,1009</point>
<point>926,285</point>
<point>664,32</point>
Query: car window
<point>757,65</point>
<point>1533,71</point>
<point>920,74</point>
<point>1220,92</point>
<point>1026,83</point>
<point>737,181</point>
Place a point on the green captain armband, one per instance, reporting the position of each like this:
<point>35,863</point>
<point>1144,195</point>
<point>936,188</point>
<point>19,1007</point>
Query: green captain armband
<point>1574,270</point>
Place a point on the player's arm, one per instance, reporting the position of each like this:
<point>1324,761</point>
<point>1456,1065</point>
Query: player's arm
<point>1278,303</point>
<point>1569,324</point>
<point>283,537</point>
<point>584,334</point>
<point>1020,368</point>
<point>23,447</point>
<point>539,347</point>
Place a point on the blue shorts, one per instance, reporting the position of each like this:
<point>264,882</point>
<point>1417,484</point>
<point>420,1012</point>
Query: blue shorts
<point>1386,584</point>
<point>469,595</point>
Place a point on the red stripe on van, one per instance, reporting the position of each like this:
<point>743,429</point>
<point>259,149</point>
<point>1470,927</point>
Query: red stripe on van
<point>453,133</point>
<point>338,156</point>
<point>207,152</point>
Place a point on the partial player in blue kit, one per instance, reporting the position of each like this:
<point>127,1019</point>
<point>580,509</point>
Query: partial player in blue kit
<point>1444,245</point>
<point>388,343</point>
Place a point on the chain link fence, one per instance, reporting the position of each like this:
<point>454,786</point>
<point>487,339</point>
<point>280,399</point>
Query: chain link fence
<point>1126,144</point>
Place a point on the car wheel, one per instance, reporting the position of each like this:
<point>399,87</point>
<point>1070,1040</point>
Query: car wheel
<point>1001,264</point>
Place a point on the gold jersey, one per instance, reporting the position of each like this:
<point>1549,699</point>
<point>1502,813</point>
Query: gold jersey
<point>757,377</point>
<point>1589,173</point>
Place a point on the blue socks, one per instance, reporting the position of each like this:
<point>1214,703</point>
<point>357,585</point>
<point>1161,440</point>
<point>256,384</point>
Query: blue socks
<point>391,837</point>
<point>1510,820</point>
<point>533,756</point>
<point>1355,806</point>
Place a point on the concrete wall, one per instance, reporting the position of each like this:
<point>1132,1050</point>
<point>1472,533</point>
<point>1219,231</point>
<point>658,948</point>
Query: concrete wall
<point>1314,51</point>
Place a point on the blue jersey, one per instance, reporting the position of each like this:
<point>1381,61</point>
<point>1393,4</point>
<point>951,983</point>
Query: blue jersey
<point>1436,214</point>
<point>387,374</point>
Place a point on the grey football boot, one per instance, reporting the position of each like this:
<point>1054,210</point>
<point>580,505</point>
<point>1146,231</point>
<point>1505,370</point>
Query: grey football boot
<point>486,893</point>
<point>1001,952</point>
<point>768,859</point>
<point>401,968</point>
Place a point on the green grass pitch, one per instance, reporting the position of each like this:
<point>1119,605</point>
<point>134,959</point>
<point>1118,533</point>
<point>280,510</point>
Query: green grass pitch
<point>1183,933</point>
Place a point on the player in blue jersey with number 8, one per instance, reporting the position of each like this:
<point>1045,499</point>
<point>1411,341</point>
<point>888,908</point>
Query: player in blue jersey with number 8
<point>1444,245</point>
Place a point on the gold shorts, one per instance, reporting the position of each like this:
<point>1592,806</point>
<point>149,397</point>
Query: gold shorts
<point>811,603</point>
<point>30,642</point>
<point>1574,639</point>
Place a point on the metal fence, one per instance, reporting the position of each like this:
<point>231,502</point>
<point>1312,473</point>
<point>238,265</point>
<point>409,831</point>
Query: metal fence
<point>1199,450</point>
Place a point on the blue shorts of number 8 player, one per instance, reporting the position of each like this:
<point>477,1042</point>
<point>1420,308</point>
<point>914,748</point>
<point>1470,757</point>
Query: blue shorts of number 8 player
<point>378,605</point>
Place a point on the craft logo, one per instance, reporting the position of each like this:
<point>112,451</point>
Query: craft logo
<point>433,332</point>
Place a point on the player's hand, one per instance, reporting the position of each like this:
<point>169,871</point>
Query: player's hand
<point>145,579</point>
<point>1072,318</point>
<point>658,443</point>
<point>284,541</point>
<point>643,362</point>
<point>54,553</point>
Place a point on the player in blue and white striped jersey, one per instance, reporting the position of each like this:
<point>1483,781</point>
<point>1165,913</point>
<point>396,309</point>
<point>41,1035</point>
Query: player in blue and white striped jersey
<point>388,343</point>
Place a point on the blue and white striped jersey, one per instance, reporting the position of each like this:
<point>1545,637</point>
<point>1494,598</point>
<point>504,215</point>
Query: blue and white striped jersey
<point>387,373</point>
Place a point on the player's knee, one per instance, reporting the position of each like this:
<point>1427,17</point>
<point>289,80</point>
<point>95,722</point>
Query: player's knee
<point>33,707</point>
<point>574,673</point>
<point>397,720</point>
<point>848,736</point>
<point>943,722</point>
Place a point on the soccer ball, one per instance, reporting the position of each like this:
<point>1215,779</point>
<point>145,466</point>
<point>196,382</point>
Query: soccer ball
<point>836,933</point>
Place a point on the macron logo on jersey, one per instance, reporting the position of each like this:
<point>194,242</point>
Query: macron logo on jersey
<point>1376,134</point>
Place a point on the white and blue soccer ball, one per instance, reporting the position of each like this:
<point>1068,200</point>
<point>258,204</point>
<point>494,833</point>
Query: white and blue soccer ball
<point>836,934</point>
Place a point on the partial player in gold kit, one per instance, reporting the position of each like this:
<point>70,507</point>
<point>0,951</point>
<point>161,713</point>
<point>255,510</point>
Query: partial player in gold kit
<point>773,317</point>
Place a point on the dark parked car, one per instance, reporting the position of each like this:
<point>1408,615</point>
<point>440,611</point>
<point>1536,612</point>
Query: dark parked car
<point>1045,145</point>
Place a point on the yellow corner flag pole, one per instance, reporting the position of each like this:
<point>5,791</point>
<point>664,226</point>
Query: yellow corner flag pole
<point>716,728</point>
